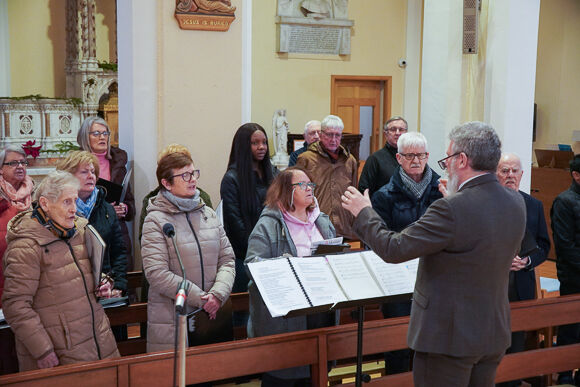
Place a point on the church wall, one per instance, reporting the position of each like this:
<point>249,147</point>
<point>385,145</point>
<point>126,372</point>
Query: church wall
<point>301,83</point>
<point>557,80</point>
<point>199,100</point>
<point>38,44</point>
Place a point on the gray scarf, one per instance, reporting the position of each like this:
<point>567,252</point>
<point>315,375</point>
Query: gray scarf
<point>183,204</point>
<point>417,188</point>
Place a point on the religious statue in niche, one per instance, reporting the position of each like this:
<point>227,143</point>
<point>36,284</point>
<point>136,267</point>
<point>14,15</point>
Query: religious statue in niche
<point>280,137</point>
<point>207,15</point>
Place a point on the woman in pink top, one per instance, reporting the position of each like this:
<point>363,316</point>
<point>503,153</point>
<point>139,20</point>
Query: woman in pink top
<point>289,224</point>
<point>94,136</point>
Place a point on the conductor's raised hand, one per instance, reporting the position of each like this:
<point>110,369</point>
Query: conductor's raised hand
<point>354,201</point>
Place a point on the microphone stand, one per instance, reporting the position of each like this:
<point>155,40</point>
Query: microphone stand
<point>180,310</point>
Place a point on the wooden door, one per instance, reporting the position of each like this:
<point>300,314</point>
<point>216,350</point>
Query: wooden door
<point>349,93</point>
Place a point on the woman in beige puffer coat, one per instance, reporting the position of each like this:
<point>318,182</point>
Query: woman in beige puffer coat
<point>197,230</point>
<point>49,298</point>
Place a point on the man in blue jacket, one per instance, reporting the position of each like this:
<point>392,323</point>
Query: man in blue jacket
<point>400,202</point>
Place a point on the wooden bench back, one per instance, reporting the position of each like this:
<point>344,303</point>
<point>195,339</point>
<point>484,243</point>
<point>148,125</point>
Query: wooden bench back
<point>315,348</point>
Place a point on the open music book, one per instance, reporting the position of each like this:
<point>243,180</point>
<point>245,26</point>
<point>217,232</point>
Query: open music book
<point>293,283</point>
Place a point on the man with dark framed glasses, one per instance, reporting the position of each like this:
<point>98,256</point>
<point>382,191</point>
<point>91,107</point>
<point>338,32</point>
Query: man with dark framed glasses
<point>382,164</point>
<point>406,197</point>
<point>466,242</point>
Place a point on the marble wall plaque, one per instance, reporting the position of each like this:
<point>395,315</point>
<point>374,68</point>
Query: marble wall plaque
<point>309,36</point>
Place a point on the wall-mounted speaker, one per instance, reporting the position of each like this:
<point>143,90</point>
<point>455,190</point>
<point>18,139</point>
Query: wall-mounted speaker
<point>471,10</point>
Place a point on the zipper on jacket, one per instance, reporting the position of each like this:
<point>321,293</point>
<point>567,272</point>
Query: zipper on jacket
<point>199,250</point>
<point>88,298</point>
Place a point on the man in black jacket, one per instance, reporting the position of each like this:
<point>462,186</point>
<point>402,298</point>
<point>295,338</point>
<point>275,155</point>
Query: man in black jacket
<point>522,281</point>
<point>381,165</point>
<point>565,214</point>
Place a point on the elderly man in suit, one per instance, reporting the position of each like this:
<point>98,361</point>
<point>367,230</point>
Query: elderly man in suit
<point>522,283</point>
<point>460,319</point>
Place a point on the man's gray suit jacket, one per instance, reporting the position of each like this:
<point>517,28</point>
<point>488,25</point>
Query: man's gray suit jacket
<point>466,243</point>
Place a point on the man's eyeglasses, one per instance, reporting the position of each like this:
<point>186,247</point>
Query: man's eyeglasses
<point>506,171</point>
<point>395,129</point>
<point>187,176</point>
<point>332,135</point>
<point>304,186</point>
<point>96,133</point>
<point>443,162</point>
<point>16,163</point>
<point>411,156</point>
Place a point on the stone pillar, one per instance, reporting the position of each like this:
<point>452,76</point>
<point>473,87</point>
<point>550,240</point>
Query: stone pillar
<point>5,89</point>
<point>138,111</point>
<point>496,85</point>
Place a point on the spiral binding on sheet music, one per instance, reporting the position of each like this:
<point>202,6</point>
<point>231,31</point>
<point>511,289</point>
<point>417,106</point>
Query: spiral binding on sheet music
<point>299,282</point>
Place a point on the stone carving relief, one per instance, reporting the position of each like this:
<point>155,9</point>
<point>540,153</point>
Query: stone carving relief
<point>64,127</point>
<point>25,124</point>
<point>313,27</point>
<point>208,15</point>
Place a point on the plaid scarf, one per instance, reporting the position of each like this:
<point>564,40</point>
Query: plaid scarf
<point>417,188</point>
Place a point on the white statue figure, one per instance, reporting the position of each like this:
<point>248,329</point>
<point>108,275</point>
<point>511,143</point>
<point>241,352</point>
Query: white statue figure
<point>280,136</point>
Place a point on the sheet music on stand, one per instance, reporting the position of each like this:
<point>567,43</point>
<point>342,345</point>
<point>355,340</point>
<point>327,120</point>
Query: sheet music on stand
<point>325,283</point>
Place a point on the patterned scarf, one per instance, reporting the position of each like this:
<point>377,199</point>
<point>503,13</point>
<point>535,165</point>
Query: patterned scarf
<point>183,204</point>
<point>19,198</point>
<point>85,207</point>
<point>59,231</point>
<point>417,188</point>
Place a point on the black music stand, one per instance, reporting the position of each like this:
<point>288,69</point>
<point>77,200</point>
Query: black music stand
<point>360,305</point>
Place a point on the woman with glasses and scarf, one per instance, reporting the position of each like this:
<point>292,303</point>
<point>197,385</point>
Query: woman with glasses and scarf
<point>15,196</point>
<point>289,224</point>
<point>204,248</point>
<point>94,136</point>
<point>49,298</point>
<point>101,215</point>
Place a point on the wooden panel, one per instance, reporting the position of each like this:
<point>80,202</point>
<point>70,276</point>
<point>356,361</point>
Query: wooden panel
<point>315,347</point>
<point>61,376</point>
<point>134,313</point>
<point>349,117</point>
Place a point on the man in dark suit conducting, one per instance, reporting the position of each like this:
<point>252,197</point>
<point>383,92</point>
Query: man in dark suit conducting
<point>534,249</point>
<point>460,319</point>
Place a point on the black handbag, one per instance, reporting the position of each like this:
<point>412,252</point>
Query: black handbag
<point>201,330</point>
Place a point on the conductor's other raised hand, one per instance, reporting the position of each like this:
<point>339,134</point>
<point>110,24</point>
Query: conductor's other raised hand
<point>354,201</point>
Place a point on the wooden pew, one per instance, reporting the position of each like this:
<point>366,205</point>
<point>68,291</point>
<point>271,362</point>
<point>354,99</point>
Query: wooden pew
<point>315,348</point>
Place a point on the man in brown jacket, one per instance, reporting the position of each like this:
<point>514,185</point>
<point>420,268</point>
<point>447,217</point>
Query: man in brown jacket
<point>333,169</point>
<point>460,319</point>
